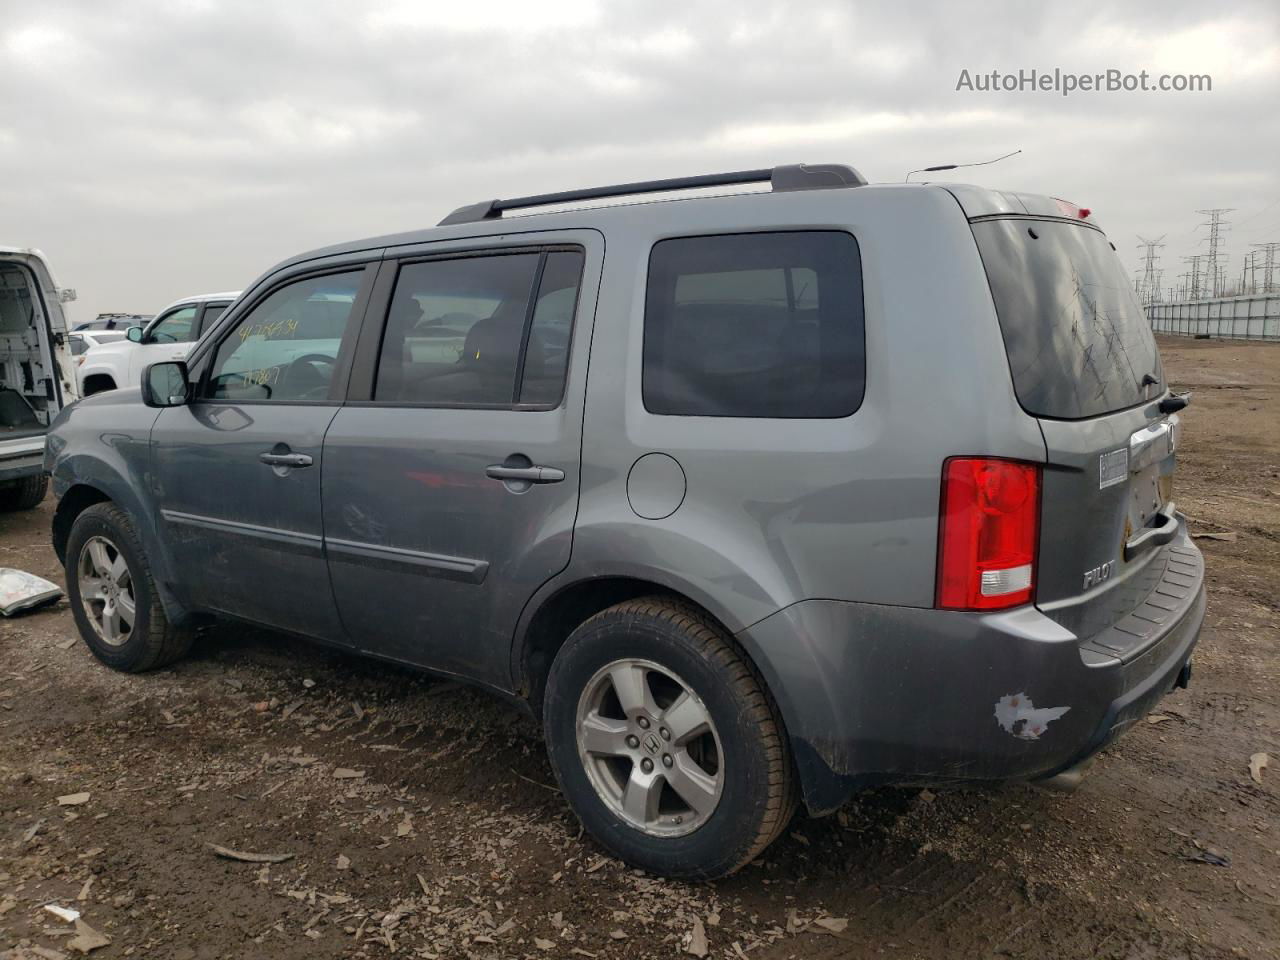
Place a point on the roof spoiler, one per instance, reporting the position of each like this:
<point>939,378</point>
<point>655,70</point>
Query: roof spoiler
<point>795,176</point>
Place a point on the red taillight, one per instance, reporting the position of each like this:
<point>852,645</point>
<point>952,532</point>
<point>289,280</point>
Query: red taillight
<point>987,533</point>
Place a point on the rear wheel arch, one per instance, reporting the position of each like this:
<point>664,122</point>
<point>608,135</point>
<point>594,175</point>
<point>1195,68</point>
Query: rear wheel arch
<point>555,617</point>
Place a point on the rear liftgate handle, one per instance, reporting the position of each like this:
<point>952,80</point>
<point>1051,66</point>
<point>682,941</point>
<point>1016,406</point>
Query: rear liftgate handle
<point>1154,536</point>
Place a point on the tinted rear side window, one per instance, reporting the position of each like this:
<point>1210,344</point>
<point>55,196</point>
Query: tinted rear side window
<point>755,325</point>
<point>1078,341</point>
<point>463,332</point>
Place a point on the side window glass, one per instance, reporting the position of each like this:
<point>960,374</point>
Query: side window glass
<point>754,325</point>
<point>212,311</point>
<point>454,329</point>
<point>547,356</point>
<point>286,347</point>
<point>174,327</point>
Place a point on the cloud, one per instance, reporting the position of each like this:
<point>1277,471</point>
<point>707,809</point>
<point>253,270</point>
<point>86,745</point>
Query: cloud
<point>156,149</point>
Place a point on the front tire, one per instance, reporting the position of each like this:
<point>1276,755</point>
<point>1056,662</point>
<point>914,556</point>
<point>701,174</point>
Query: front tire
<point>113,594</point>
<point>665,742</point>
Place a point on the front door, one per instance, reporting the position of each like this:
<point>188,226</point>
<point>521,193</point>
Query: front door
<point>168,338</point>
<point>238,469</point>
<point>451,474</point>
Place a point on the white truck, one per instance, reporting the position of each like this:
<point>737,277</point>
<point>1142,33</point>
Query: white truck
<point>169,336</point>
<point>35,371</point>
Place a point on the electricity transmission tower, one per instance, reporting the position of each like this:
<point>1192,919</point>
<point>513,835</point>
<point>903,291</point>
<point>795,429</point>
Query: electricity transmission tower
<point>1194,277</point>
<point>1268,251</point>
<point>1212,267</point>
<point>1148,287</point>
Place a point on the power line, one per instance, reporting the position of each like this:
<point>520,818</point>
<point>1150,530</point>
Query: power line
<point>1254,216</point>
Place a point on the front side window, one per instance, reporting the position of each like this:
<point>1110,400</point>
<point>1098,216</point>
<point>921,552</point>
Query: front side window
<point>174,327</point>
<point>286,347</point>
<point>755,325</point>
<point>460,332</point>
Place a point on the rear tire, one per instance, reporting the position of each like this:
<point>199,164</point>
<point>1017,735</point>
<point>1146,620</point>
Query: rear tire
<point>27,494</point>
<point>665,741</point>
<point>113,594</point>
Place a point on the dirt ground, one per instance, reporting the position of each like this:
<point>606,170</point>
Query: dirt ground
<point>420,819</point>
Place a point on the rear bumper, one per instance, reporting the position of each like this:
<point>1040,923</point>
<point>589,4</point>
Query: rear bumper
<point>21,458</point>
<point>875,694</point>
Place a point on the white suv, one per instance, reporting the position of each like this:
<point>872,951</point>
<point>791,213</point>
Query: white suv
<point>168,337</point>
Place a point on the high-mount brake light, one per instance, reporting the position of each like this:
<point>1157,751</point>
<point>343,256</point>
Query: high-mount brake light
<point>1068,209</point>
<point>988,532</point>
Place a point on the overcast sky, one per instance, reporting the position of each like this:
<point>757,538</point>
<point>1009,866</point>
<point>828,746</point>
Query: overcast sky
<point>158,149</point>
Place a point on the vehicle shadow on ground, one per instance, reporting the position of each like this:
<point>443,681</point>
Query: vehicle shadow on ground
<point>895,854</point>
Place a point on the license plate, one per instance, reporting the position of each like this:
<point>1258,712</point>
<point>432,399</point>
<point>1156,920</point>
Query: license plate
<point>1113,468</point>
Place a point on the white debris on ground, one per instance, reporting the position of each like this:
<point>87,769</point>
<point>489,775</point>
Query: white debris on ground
<point>21,591</point>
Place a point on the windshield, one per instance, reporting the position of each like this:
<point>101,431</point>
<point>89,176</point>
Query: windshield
<point>1078,341</point>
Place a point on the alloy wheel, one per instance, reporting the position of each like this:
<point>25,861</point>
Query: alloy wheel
<point>106,590</point>
<point>650,748</point>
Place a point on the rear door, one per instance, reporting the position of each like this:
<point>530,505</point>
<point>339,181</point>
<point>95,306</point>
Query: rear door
<point>451,474</point>
<point>238,469</point>
<point>1084,363</point>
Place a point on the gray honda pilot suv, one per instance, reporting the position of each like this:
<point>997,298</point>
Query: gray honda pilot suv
<point>751,498</point>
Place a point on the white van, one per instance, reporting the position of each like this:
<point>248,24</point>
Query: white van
<point>35,371</point>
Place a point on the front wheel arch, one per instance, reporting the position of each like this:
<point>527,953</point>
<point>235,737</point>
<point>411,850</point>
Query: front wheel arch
<point>74,502</point>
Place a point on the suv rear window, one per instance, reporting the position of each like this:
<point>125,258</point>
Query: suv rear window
<point>1078,341</point>
<point>755,325</point>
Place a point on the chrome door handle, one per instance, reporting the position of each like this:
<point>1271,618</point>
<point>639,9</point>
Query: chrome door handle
<point>285,459</point>
<point>528,474</point>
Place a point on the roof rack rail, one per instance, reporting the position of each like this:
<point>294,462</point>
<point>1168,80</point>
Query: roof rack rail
<point>795,176</point>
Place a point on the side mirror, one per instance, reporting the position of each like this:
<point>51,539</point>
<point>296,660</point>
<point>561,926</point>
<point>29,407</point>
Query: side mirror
<point>165,384</point>
<point>133,334</point>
